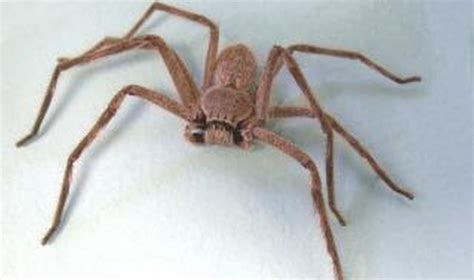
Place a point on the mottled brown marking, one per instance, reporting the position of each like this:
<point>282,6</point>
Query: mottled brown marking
<point>227,105</point>
<point>236,67</point>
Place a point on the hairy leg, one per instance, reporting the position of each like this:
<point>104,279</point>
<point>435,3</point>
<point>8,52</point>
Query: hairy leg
<point>212,50</point>
<point>213,39</point>
<point>151,96</point>
<point>181,77</point>
<point>103,43</point>
<point>330,178</point>
<point>289,112</point>
<point>354,56</point>
<point>279,55</point>
<point>290,149</point>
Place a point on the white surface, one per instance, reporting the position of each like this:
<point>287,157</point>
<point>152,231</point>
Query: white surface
<point>145,201</point>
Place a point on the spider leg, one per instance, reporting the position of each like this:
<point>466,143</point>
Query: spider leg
<point>276,57</point>
<point>133,90</point>
<point>330,178</point>
<point>103,43</point>
<point>354,56</point>
<point>290,149</point>
<point>213,39</point>
<point>288,112</point>
<point>182,79</point>
<point>211,55</point>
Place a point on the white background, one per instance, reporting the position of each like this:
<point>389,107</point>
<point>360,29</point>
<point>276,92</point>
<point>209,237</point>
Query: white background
<point>146,202</point>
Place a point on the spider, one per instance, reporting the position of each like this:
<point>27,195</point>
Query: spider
<point>229,109</point>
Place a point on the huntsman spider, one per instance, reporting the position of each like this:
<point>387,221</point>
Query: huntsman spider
<point>230,108</point>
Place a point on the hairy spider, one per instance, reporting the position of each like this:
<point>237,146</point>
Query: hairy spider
<point>225,110</point>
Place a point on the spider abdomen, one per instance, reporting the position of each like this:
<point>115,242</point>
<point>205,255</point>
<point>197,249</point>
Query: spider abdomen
<point>236,67</point>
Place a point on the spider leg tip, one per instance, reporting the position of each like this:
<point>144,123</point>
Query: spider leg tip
<point>414,79</point>
<point>44,241</point>
<point>22,142</point>
<point>339,217</point>
<point>409,196</point>
<point>48,235</point>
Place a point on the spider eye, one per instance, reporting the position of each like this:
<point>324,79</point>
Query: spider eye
<point>197,131</point>
<point>195,134</point>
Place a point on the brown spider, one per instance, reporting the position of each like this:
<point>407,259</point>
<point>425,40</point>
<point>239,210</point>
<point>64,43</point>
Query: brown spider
<point>225,110</point>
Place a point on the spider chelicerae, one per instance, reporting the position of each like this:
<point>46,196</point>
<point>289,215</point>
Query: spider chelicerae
<point>230,108</point>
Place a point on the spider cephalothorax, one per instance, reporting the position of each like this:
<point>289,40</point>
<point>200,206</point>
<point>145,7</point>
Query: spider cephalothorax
<point>230,108</point>
<point>223,113</point>
<point>226,109</point>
